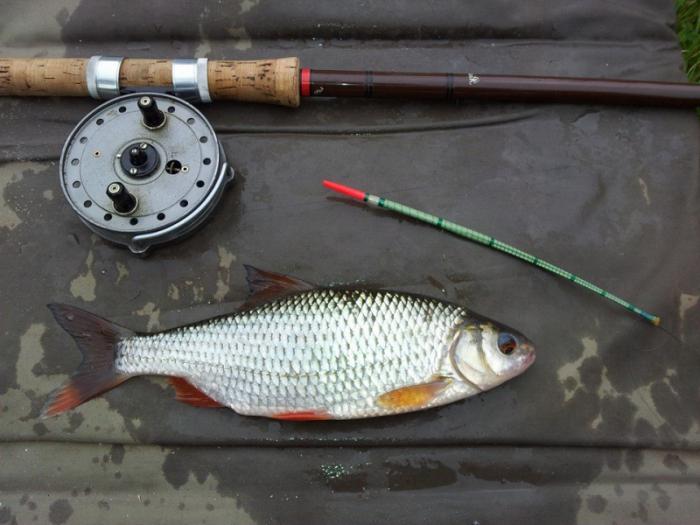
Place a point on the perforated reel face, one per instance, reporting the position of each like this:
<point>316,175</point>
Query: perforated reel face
<point>140,184</point>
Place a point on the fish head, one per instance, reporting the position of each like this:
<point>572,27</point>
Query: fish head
<point>485,353</point>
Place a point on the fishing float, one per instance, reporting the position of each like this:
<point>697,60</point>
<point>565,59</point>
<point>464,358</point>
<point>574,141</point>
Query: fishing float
<point>486,240</point>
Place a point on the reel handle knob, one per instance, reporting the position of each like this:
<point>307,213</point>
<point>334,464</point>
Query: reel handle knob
<point>123,201</point>
<point>153,118</point>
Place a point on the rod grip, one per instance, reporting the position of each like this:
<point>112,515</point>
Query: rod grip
<point>274,81</point>
<point>43,77</point>
<point>270,81</point>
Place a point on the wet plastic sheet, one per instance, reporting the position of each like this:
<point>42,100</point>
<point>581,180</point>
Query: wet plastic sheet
<point>609,193</point>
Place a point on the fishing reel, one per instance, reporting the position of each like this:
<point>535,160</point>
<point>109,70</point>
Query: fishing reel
<point>144,169</point>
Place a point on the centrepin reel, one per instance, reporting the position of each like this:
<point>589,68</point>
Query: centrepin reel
<point>143,169</point>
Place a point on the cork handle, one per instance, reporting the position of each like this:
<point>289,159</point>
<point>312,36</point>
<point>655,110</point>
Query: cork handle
<point>269,81</point>
<point>43,77</point>
<point>145,73</point>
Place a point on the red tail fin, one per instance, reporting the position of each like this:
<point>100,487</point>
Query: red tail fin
<point>97,339</point>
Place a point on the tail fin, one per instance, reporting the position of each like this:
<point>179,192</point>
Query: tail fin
<point>97,339</point>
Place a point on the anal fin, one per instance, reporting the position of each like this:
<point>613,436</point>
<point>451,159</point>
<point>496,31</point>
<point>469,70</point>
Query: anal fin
<point>187,393</point>
<point>305,415</point>
<point>413,397</point>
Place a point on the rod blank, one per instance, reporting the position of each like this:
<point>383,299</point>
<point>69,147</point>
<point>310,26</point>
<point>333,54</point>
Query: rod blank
<point>382,84</point>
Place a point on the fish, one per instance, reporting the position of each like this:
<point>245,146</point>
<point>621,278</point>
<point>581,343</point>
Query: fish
<point>299,352</point>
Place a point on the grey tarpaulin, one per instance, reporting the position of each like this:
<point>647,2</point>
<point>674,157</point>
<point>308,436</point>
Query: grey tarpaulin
<point>605,427</point>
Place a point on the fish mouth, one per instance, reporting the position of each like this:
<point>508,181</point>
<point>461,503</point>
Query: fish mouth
<point>530,355</point>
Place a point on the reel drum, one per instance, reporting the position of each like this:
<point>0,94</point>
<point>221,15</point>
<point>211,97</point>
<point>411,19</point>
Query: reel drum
<point>143,169</point>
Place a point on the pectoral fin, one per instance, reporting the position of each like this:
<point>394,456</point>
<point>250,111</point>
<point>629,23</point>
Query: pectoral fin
<point>413,397</point>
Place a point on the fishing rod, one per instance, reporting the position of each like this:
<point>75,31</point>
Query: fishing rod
<point>281,81</point>
<point>486,240</point>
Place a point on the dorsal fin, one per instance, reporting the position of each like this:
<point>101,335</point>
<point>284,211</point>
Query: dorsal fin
<point>266,286</point>
<point>186,392</point>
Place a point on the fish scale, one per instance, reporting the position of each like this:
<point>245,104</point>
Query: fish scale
<point>371,343</point>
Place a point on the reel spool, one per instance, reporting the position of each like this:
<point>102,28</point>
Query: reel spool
<point>143,169</point>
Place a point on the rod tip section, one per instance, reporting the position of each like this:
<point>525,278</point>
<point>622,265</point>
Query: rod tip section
<point>656,320</point>
<point>345,190</point>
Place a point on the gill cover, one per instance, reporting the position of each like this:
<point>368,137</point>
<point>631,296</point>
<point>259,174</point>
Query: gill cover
<point>485,354</point>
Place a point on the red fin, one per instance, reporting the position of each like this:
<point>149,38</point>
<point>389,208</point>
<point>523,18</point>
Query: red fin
<point>187,393</point>
<point>307,415</point>
<point>266,286</point>
<point>97,339</point>
<point>413,397</point>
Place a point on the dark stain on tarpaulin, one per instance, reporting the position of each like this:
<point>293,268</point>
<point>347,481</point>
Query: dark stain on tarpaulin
<point>116,454</point>
<point>59,511</point>
<point>663,500</point>
<point>596,503</point>
<point>417,474</point>
<point>62,16</point>
<point>617,415</point>
<point>533,467</point>
<point>505,473</point>
<point>74,421</point>
<point>591,373</point>
<point>645,431</point>
<point>373,474</point>
<point>342,479</point>
<point>6,515</point>
<point>674,462</point>
<point>642,512</point>
<point>177,468</point>
<point>634,459</point>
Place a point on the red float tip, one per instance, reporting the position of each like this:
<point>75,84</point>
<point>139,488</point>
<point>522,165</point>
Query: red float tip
<point>345,190</point>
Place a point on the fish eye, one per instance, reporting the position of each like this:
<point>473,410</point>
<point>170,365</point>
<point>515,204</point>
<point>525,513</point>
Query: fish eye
<point>506,343</point>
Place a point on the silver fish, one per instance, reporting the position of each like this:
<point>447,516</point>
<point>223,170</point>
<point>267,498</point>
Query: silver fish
<point>300,352</point>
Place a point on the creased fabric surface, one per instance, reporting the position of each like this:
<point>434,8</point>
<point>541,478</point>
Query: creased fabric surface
<point>609,193</point>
